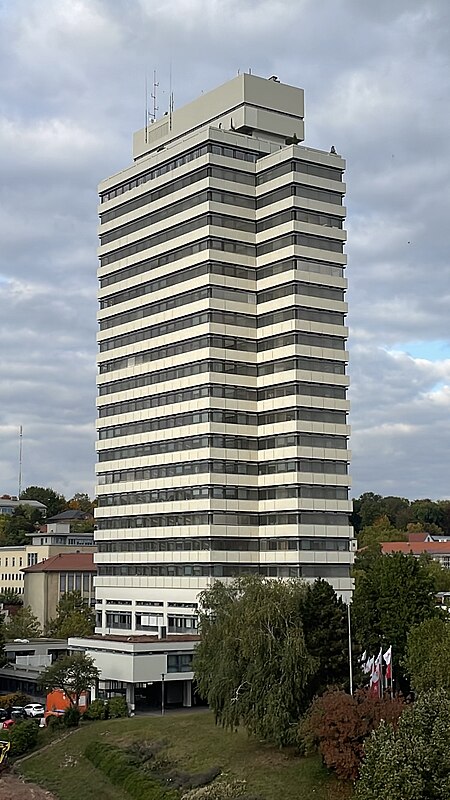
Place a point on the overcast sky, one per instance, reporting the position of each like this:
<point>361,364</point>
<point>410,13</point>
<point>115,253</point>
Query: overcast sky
<point>377,86</point>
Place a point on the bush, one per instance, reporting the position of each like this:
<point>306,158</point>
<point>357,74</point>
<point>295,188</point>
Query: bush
<point>97,710</point>
<point>117,707</point>
<point>23,737</point>
<point>220,790</point>
<point>337,724</point>
<point>71,718</point>
<point>413,761</point>
<point>115,764</point>
<point>54,721</point>
<point>15,699</point>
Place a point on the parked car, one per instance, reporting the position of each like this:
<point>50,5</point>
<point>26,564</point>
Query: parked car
<point>34,710</point>
<point>3,714</point>
<point>18,712</point>
<point>8,723</point>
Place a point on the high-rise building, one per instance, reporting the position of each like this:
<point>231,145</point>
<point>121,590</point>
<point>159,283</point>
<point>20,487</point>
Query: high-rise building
<point>222,410</point>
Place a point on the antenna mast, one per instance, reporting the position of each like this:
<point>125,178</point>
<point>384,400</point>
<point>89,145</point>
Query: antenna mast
<point>20,462</point>
<point>155,97</point>
<point>146,110</point>
<point>170,97</point>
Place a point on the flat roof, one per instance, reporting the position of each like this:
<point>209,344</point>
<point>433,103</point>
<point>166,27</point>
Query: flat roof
<point>111,637</point>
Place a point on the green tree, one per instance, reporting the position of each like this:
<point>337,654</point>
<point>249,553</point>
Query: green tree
<point>439,574</point>
<point>23,625</point>
<point>427,511</point>
<point>2,642</point>
<point>81,502</point>
<point>11,598</point>
<point>324,618</point>
<point>392,594</point>
<point>73,674</point>
<point>252,664</point>
<point>74,617</point>
<point>380,531</point>
<point>54,502</point>
<point>427,659</point>
<point>366,509</point>
<point>16,526</point>
<point>413,762</point>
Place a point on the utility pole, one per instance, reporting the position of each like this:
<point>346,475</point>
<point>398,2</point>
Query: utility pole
<point>350,661</point>
<point>162,694</point>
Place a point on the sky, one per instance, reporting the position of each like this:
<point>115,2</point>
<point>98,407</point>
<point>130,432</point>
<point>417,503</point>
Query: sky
<point>376,77</point>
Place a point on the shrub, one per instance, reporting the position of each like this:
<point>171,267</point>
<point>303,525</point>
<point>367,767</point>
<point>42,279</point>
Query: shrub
<point>71,718</point>
<point>55,721</point>
<point>220,790</point>
<point>23,737</point>
<point>97,710</point>
<point>412,761</point>
<point>15,699</point>
<point>115,764</point>
<point>338,724</point>
<point>183,780</point>
<point>117,707</point>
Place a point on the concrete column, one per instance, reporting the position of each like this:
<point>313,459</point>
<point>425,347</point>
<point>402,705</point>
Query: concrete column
<point>187,694</point>
<point>130,697</point>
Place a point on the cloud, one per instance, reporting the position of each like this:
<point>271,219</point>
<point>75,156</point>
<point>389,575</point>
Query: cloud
<point>377,83</point>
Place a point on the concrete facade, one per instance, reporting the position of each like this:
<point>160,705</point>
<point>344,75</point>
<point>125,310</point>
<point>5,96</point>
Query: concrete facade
<point>222,410</point>
<point>47,581</point>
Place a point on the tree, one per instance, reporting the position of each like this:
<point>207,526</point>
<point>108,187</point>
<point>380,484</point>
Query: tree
<point>252,664</point>
<point>366,509</point>
<point>81,502</point>
<point>427,658</point>
<point>11,598</point>
<point>23,625</point>
<point>73,674</point>
<point>54,502</point>
<point>392,594</point>
<point>324,618</point>
<point>17,525</point>
<point>2,642</point>
<point>380,531</point>
<point>74,617</point>
<point>412,763</point>
<point>440,575</point>
<point>338,724</point>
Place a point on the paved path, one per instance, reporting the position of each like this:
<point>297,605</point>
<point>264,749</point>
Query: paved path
<point>13,788</point>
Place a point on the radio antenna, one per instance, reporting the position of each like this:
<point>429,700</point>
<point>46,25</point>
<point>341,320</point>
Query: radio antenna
<point>155,96</point>
<point>20,463</point>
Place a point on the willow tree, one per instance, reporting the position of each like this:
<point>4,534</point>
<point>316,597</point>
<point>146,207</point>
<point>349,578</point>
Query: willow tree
<point>252,664</point>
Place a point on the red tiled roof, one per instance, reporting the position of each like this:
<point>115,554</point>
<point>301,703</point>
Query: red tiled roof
<point>417,537</point>
<point>65,562</point>
<point>416,548</point>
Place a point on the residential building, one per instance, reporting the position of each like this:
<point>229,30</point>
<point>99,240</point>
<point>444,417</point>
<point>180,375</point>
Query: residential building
<point>222,408</point>
<point>8,504</point>
<point>437,550</point>
<point>46,581</point>
<point>55,537</point>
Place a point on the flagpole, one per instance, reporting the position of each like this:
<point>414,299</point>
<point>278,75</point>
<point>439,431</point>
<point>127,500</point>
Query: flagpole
<point>350,664</point>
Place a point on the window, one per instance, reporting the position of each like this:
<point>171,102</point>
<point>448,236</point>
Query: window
<point>179,663</point>
<point>62,584</point>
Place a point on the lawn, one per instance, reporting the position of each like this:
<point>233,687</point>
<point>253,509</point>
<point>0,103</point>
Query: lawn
<point>195,744</point>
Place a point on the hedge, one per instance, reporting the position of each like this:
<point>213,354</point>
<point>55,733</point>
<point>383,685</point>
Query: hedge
<point>116,766</point>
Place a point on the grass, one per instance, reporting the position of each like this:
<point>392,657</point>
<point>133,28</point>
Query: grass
<point>195,744</point>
